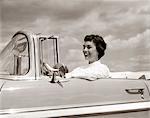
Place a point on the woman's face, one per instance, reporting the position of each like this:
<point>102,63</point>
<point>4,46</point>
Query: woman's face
<point>90,52</point>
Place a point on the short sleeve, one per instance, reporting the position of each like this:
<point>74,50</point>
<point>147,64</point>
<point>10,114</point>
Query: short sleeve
<point>101,71</point>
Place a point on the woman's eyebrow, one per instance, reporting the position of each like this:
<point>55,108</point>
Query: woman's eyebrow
<point>86,45</point>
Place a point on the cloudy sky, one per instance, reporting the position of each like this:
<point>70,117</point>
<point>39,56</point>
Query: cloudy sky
<point>124,24</point>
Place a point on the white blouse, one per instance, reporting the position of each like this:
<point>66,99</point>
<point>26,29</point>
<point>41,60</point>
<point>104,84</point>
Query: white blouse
<point>92,71</point>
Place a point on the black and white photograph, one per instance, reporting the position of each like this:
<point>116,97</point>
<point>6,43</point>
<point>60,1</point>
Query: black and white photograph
<point>74,58</point>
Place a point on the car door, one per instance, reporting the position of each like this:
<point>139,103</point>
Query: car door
<point>106,98</point>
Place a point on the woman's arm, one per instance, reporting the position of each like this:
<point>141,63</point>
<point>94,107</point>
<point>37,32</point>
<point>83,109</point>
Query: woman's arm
<point>89,73</point>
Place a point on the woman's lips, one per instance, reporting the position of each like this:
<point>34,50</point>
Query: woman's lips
<point>86,55</point>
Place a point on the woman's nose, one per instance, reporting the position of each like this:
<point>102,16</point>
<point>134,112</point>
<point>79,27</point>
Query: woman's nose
<point>85,49</point>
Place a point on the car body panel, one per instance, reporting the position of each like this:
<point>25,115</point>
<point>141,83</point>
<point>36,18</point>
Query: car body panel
<point>76,92</point>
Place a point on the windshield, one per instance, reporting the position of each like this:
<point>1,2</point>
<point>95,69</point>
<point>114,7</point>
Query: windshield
<point>14,58</point>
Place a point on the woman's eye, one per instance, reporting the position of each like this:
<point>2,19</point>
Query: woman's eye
<point>86,46</point>
<point>89,47</point>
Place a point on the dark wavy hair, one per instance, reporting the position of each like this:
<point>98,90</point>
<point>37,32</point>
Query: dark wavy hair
<point>98,42</point>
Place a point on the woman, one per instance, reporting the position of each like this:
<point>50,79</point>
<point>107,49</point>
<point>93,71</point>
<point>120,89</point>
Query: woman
<point>93,49</point>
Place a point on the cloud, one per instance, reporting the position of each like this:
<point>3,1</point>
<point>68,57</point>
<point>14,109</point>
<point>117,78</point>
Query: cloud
<point>74,54</point>
<point>144,9</point>
<point>70,50</point>
<point>140,39</point>
<point>57,9</point>
<point>130,54</point>
<point>52,16</point>
<point>74,58</point>
<point>123,20</point>
<point>74,17</point>
<point>41,25</point>
<point>145,58</point>
<point>68,41</point>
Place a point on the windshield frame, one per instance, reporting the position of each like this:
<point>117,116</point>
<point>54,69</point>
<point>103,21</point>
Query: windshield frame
<point>31,73</point>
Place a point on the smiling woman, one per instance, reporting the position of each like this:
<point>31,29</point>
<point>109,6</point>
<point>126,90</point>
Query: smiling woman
<point>93,49</point>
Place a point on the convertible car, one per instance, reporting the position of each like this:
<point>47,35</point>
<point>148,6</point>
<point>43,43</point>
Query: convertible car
<point>26,91</point>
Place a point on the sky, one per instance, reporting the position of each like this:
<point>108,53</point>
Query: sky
<point>124,25</point>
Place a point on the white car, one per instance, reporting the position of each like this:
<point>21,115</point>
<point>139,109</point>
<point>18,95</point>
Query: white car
<point>27,92</point>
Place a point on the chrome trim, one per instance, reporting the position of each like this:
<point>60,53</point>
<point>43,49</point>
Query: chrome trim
<point>71,111</point>
<point>2,86</point>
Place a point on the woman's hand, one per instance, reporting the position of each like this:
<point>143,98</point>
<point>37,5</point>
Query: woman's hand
<point>62,69</point>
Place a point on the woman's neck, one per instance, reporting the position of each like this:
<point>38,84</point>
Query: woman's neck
<point>90,62</point>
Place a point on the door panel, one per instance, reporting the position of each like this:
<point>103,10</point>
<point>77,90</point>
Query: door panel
<point>75,93</point>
